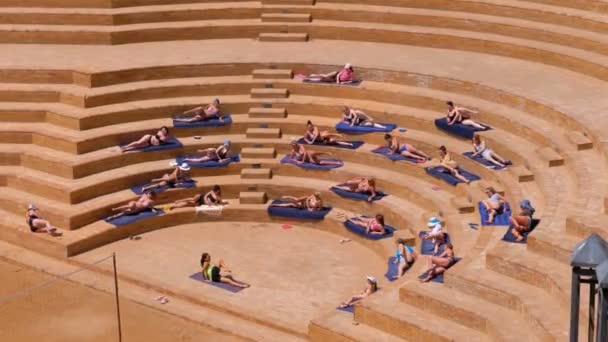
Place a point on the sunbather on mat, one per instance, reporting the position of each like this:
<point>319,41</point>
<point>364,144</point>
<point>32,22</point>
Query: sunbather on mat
<point>480,148</point>
<point>371,287</point>
<point>161,137</point>
<point>313,134</point>
<point>439,264</point>
<point>219,273</point>
<point>405,256</point>
<point>493,203</point>
<point>201,113</point>
<point>406,150</point>
<point>299,154</point>
<point>372,226</point>
<point>435,234</point>
<point>462,115</point>
<point>219,154</point>
<point>522,223</point>
<point>360,185</point>
<point>145,201</point>
<point>310,203</point>
<point>445,158</point>
<point>346,75</point>
<point>356,117</point>
<point>213,197</point>
<point>172,179</point>
<point>37,223</point>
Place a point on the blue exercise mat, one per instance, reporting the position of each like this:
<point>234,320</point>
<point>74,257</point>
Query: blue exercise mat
<point>361,231</point>
<point>356,144</point>
<point>343,127</point>
<point>352,83</point>
<point>392,269</point>
<point>442,173</point>
<point>310,166</point>
<point>213,122</point>
<point>500,219</point>
<point>171,143</point>
<point>393,156</point>
<point>358,196</point>
<point>184,184</point>
<point>296,213</point>
<point>211,163</point>
<point>427,247</point>
<point>481,160</point>
<point>128,219</point>
<point>509,237</point>
<point>439,278</point>
<point>350,309</point>
<point>198,276</point>
<point>458,129</point>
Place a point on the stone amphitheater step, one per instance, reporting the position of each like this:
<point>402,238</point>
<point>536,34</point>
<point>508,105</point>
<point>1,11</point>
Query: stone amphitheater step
<point>253,197</point>
<point>272,73</point>
<point>581,141</point>
<point>463,205</point>
<point>258,152</point>
<point>289,2</point>
<point>521,173</point>
<point>482,185</point>
<point>550,156</point>
<point>271,93</point>
<point>283,37</point>
<point>263,133</point>
<point>552,246</point>
<point>338,326</point>
<point>584,226</point>
<point>286,17</point>
<point>256,173</point>
<point>261,113</point>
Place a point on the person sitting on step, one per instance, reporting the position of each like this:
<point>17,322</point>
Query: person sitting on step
<point>161,137</point>
<point>356,117</point>
<point>310,203</point>
<point>300,155</point>
<point>202,113</point>
<point>173,179</point>
<point>406,150</point>
<point>461,115</point>
<point>313,134</point>
<point>405,256</point>
<point>439,264</point>
<point>145,202</point>
<point>480,148</point>
<point>371,287</point>
<point>450,165</point>
<point>522,223</point>
<point>34,220</point>
<point>219,273</point>
<point>493,204</point>
<point>346,75</point>
<point>372,226</point>
<point>218,154</point>
<point>362,185</point>
<point>436,233</point>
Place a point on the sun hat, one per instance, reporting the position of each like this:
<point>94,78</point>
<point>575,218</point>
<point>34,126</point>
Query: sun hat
<point>226,142</point>
<point>348,66</point>
<point>372,279</point>
<point>173,163</point>
<point>184,167</point>
<point>433,221</point>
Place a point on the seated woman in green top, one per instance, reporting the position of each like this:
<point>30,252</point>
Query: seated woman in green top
<point>219,273</point>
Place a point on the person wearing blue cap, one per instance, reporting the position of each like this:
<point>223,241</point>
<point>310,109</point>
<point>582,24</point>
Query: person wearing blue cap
<point>219,154</point>
<point>520,224</point>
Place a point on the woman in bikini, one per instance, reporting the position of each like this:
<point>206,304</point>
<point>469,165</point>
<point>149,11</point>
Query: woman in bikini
<point>145,201</point>
<point>373,226</point>
<point>364,185</point>
<point>172,179</point>
<point>522,223</point>
<point>219,273</point>
<point>356,117</point>
<point>462,115</point>
<point>439,264</point>
<point>449,164</point>
<point>37,224</point>
<point>301,155</point>
<point>218,154</point>
<point>213,197</point>
<point>345,75</point>
<point>161,137</point>
<point>313,134</point>
<point>310,203</point>
<point>202,113</point>
<point>480,148</point>
<point>371,287</point>
<point>405,256</point>
<point>406,150</point>
<point>493,204</point>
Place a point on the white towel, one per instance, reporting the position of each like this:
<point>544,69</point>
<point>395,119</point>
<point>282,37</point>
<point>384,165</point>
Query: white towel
<point>211,210</point>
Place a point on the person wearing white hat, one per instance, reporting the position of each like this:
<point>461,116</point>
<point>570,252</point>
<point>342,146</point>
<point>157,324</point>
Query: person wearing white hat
<point>218,154</point>
<point>37,223</point>
<point>145,201</point>
<point>436,233</point>
<point>202,113</point>
<point>172,179</point>
<point>371,287</point>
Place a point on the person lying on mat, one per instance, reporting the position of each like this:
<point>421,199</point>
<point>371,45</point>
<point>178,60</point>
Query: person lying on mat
<point>406,150</point>
<point>299,154</point>
<point>313,134</point>
<point>218,154</point>
<point>356,117</point>
<point>213,197</point>
<point>480,148</point>
<point>405,256</point>
<point>346,75</point>
<point>310,203</point>
<point>493,203</point>
<point>34,220</point>
<point>522,222</point>
<point>436,234</point>
<point>371,287</point>
<point>172,179</point>
<point>219,273</point>
<point>145,201</point>
<point>462,115</point>
<point>439,264</point>
<point>161,137</point>
<point>373,226</point>
<point>202,113</point>
<point>445,158</point>
<point>360,185</point>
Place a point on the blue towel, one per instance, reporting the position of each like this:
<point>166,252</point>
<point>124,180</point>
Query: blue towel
<point>128,219</point>
<point>213,122</point>
<point>356,144</point>
<point>508,237</point>
<point>481,160</point>
<point>353,83</point>
<point>350,309</point>
<point>361,231</point>
<point>438,278</point>
<point>392,269</point>
<point>198,276</point>
<point>296,213</point>
<point>184,184</point>
<point>457,129</point>
<point>310,166</point>
<point>171,143</point>
<point>211,163</point>
<point>427,247</point>
<point>343,127</point>
<point>393,156</point>
<point>358,196</point>
<point>501,218</point>
<point>441,173</point>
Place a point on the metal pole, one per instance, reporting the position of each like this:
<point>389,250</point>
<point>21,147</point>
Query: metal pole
<point>117,300</point>
<point>574,305</point>
<point>591,315</point>
<point>598,319</point>
<point>603,317</point>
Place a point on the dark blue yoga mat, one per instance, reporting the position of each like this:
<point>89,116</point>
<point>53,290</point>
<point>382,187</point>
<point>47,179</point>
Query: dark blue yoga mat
<point>184,184</point>
<point>427,247</point>
<point>481,160</point>
<point>509,237</point>
<point>343,127</point>
<point>356,144</point>
<point>171,143</point>
<point>287,160</point>
<point>296,213</point>
<point>213,122</point>
<point>441,173</point>
<point>352,83</point>
<point>198,276</point>
<point>361,231</point>
<point>358,196</point>
<point>393,156</point>
<point>439,278</point>
<point>350,309</point>
<point>210,164</point>
<point>457,129</point>
<point>392,269</point>
<point>501,218</point>
<point>128,219</point>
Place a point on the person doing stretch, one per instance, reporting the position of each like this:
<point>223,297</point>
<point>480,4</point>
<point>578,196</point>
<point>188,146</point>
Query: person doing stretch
<point>493,204</point>
<point>360,185</point>
<point>172,179</point>
<point>450,165</point>
<point>372,226</point>
<point>371,287</point>
<point>439,264</point>
<point>462,115</point>
<point>405,256</point>
<point>161,137</point>
<point>522,223</point>
<point>34,220</point>
<point>310,203</point>
<point>356,117</point>
<point>406,150</point>
<point>313,134</point>
<point>219,273</point>
<point>202,113</point>
<point>218,154</point>
<point>299,154</point>
<point>480,148</point>
<point>145,201</point>
<point>346,75</point>
<point>213,197</point>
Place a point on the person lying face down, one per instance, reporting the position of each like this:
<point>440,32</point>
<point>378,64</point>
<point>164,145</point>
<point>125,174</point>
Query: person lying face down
<point>202,113</point>
<point>219,273</point>
<point>311,203</point>
<point>360,185</point>
<point>218,154</point>
<point>145,201</point>
<point>371,287</point>
<point>161,137</point>
<point>313,134</point>
<point>407,150</point>
<point>179,174</point>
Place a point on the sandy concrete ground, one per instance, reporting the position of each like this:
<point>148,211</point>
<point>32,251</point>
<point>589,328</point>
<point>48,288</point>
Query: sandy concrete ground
<point>67,311</point>
<point>296,274</point>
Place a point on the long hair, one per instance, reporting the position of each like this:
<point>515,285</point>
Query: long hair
<point>204,258</point>
<point>380,219</point>
<point>477,139</point>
